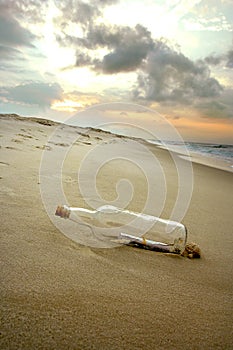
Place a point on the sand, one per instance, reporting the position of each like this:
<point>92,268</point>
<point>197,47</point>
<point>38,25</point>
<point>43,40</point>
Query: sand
<point>58,294</point>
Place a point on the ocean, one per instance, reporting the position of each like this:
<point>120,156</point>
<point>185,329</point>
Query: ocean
<point>217,155</point>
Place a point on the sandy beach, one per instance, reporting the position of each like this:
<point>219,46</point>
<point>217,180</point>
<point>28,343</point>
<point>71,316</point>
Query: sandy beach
<point>58,294</point>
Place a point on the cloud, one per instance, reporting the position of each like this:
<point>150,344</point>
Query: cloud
<point>103,3</point>
<point>209,15</point>
<point>18,54</point>
<point>229,57</point>
<point>9,53</point>
<point>226,59</point>
<point>101,35</point>
<point>31,10</point>
<point>133,48</point>
<point>109,36</point>
<point>13,34</point>
<point>34,93</point>
<point>122,60</point>
<point>163,73</point>
<point>213,60</point>
<point>128,48</point>
<point>220,108</point>
<point>77,12</point>
<point>168,75</point>
<point>81,12</point>
<point>83,59</point>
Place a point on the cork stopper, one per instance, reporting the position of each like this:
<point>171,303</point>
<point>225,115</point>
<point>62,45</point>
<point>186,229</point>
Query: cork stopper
<point>63,212</point>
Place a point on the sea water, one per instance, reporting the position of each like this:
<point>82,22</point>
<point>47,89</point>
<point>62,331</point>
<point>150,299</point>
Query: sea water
<point>224,152</point>
<point>209,153</point>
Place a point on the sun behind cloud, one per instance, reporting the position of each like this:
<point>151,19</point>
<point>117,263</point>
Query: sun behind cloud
<point>64,56</point>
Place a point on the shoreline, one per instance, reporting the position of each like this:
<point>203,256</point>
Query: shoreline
<point>194,157</point>
<point>212,162</point>
<point>197,157</point>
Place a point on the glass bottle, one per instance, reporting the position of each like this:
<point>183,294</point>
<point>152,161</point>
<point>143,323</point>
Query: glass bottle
<point>128,227</point>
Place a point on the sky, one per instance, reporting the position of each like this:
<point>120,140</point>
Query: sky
<point>59,58</point>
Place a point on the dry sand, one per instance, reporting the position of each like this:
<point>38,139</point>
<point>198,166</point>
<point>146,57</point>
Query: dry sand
<point>57,294</point>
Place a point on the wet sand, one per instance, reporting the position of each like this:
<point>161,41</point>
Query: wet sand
<point>58,294</point>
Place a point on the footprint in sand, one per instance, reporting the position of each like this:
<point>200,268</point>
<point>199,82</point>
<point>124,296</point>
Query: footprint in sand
<point>44,147</point>
<point>10,147</point>
<point>69,179</point>
<point>25,136</point>
<point>17,140</point>
<point>4,163</point>
<point>59,144</point>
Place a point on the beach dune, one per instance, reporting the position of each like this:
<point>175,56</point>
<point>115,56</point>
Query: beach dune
<point>58,294</point>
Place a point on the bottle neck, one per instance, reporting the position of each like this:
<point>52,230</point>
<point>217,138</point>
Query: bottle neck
<point>83,213</point>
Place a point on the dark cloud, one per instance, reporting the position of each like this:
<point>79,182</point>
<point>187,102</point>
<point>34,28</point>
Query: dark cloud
<point>226,59</point>
<point>128,47</point>
<point>115,36</point>
<point>103,36</point>
<point>213,60</point>
<point>229,57</point>
<point>109,36</point>
<point>163,73</point>
<point>168,75</point>
<point>13,34</point>
<point>131,48</point>
<point>34,93</point>
<point>123,59</point>
<point>83,59</point>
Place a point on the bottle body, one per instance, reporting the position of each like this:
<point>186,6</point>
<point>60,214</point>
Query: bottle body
<point>109,222</point>
<point>151,228</point>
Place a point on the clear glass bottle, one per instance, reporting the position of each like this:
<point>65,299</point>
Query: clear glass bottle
<point>128,227</point>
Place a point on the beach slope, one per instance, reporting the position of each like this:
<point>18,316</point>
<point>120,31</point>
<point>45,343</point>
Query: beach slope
<point>58,294</point>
